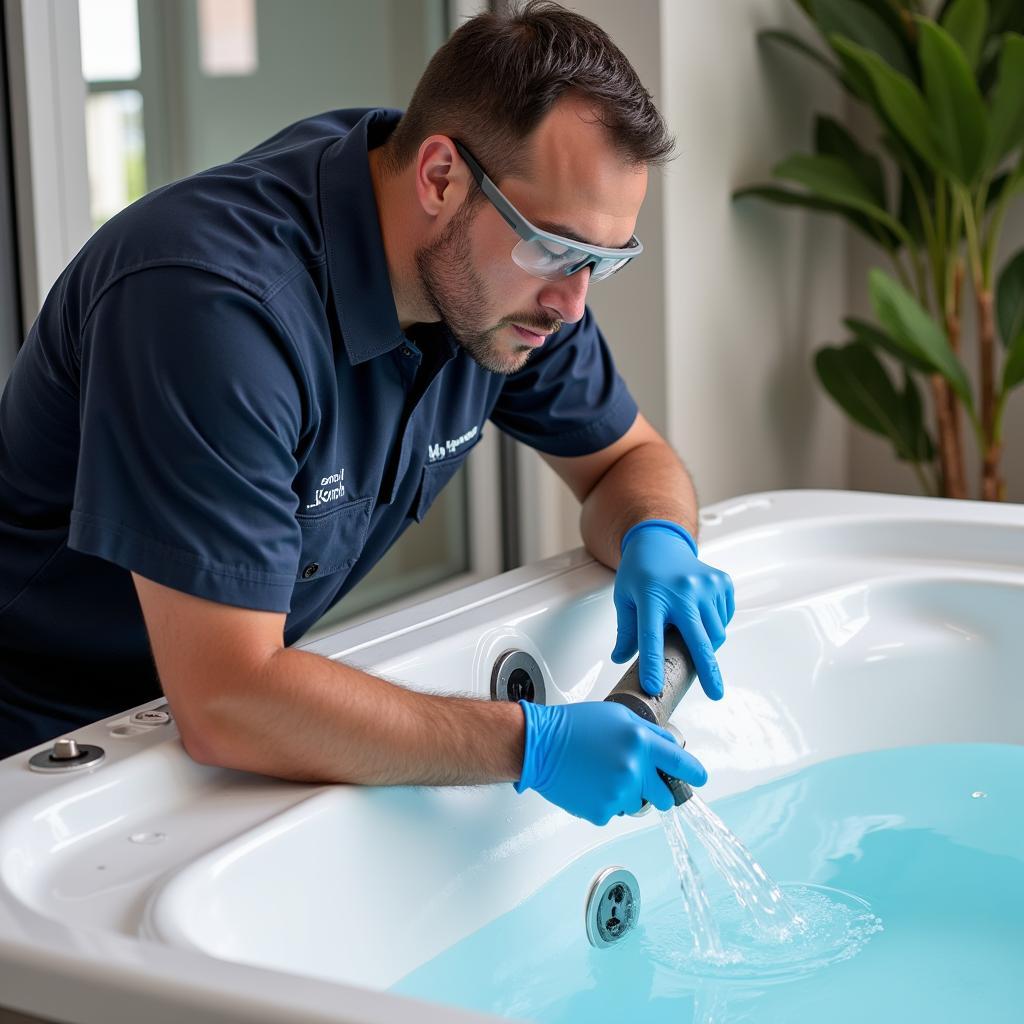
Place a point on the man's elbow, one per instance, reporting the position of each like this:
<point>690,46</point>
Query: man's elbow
<point>199,750</point>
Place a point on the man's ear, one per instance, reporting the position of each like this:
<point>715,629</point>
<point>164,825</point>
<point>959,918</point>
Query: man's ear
<point>442,177</point>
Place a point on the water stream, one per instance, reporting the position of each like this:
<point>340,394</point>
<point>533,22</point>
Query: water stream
<point>771,914</point>
<point>707,943</point>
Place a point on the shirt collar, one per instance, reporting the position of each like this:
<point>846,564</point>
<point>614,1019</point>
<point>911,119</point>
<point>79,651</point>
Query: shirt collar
<point>356,265</point>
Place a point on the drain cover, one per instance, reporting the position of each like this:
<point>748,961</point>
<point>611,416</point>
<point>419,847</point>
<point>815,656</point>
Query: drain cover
<point>613,906</point>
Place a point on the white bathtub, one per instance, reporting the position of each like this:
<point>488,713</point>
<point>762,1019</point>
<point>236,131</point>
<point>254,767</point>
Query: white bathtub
<point>150,888</point>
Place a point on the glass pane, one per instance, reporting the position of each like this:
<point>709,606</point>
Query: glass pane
<point>116,151</point>
<point>110,40</point>
<point>314,55</point>
<point>227,37</point>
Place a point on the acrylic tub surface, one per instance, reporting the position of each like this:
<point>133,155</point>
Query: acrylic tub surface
<point>151,886</point>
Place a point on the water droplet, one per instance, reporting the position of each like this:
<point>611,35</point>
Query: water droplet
<point>147,838</point>
<point>978,795</point>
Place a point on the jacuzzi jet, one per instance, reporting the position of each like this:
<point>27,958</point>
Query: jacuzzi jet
<point>679,675</point>
<point>613,906</point>
<point>517,676</point>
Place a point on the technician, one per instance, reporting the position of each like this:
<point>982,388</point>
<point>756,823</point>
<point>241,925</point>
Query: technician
<point>249,383</point>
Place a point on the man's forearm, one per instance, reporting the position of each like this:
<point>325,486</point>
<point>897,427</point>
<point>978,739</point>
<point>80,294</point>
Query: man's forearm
<point>648,482</point>
<point>310,719</point>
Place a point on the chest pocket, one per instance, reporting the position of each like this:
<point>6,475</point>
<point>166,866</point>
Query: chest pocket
<point>332,541</point>
<point>435,476</point>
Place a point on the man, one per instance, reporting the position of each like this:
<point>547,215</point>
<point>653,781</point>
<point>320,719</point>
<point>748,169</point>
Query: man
<point>250,382</point>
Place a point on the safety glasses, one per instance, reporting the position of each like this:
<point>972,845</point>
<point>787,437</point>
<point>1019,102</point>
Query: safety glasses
<point>542,253</point>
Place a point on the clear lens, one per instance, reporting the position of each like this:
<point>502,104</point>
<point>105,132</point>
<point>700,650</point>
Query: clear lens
<point>543,258</point>
<point>605,268</point>
<point>552,261</point>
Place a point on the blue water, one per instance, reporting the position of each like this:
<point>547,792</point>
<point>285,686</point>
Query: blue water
<point>909,864</point>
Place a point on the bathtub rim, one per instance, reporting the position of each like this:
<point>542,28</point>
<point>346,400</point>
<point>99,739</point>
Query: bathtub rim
<point>73,974</point>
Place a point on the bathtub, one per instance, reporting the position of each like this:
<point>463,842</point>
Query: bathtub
<point>151,888</point>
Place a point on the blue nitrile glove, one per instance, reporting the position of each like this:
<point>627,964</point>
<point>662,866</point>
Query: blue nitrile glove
<point>660,581</point>
<point>598,758</point>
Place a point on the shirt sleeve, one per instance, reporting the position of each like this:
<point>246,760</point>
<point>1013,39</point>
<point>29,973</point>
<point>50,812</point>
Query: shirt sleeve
<point>191,412</point>
<point>568,399</point>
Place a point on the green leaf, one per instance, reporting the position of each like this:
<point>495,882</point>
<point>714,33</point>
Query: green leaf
<point>1010,300</point>
<point>794,42</point>
<point>958,118</point>
<point>899,99</point>
<point>1007,16</point>
<point>1006,121</point>
<point>890,14</point>
<point>877,338</point>
<point>1013,371</point>
<point>909,213</point>
<point>832,178</point>
<point>918,440</point>
<point>855,377</point>
<point>857,22</point>
<point>876,232</point>
<point>832,139</point>
<point>966,21</point>
<point>989,64</point>
<point>909,324</point>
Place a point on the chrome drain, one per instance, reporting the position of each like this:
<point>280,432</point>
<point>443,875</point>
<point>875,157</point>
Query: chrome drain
<point>517,676</point>
<point>613,906</point>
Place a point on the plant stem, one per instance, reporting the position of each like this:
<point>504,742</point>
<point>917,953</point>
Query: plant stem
<point>940,215</point>
<point>931,241</point>
<point>950,465</point>
<point>954,412</point>
<point>973,242</point>
<point>990,482</point>
<point>995,224</point>
<point>990,447</point>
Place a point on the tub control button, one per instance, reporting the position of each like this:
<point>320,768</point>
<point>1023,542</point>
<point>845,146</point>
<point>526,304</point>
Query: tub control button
<point>65,750</point>
<point>153,716</point>
<point>65,756</point>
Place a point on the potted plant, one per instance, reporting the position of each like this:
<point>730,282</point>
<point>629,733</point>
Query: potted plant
<point>945,84</point>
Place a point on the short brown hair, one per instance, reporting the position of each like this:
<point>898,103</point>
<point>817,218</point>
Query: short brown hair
<point>497,76</point>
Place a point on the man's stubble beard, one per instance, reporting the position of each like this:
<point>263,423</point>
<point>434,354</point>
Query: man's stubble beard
<point>459,296</point>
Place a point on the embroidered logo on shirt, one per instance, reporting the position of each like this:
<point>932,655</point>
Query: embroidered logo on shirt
<point>331,488</point>
<point>436,452</point>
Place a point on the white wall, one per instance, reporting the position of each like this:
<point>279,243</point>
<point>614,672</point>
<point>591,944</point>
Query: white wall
<point>714,327</point>
<point>751,289</point>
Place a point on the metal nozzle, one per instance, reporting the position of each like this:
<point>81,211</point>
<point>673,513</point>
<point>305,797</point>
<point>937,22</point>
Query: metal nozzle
<point>681,791</point>
<point>679,676</point>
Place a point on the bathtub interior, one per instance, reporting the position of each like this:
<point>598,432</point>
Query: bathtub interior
<point>852,633</point>
<point>852,649</point>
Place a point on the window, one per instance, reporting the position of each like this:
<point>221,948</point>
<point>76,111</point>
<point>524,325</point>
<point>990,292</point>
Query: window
<point>114,126</point>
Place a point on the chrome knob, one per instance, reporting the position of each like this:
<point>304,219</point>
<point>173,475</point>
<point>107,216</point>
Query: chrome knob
<point>65,750</point>
<point>66,756</point>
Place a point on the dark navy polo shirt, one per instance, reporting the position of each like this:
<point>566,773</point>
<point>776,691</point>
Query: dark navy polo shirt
<point>217,395</point>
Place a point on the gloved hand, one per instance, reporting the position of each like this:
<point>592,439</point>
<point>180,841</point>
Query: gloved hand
<point>598,758</point>
<point>659,581</point>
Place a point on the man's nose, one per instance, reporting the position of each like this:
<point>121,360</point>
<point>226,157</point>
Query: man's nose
<point>568,296</point>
